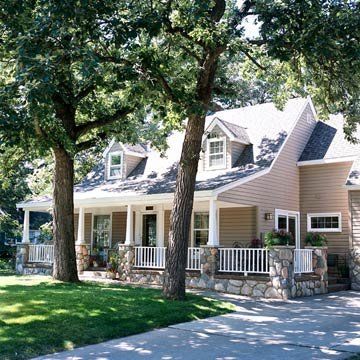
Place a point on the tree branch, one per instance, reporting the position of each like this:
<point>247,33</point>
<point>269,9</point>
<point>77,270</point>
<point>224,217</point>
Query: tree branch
<point>84,92</point>
<point>87,144</point>
<point>102,121</point>
<point>253,60</point>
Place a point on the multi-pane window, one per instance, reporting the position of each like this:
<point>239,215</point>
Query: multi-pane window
<point>324,222</point>
<point>201,228</point>
<point>115,165</point>
<point>216,153</point>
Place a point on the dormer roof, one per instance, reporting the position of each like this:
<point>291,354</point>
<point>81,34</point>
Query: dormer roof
<point>139,150</point>
<point>234,132</point>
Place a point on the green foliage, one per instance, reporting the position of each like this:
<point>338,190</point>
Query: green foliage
<point>315,239</point>
<point>74,315</point>
<point>278,237</point>
<point>46,232</point>
<point>10,227</point>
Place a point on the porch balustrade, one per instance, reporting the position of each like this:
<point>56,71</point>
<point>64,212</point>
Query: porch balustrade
<point>244,260</point>
<point>150,257</point>
<point>303,261</point>
<point>231,260</point>
<point>41,254</point>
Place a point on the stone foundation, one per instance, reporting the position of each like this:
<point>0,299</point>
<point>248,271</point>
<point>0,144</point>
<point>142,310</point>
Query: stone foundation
<point>355,268</point>
<point>280,283</point>
<point>22,255</point>
<point>38,269</point>
<point>82,257</point>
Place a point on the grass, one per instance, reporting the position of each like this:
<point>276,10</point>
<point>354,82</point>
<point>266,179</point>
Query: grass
<point>40,316</point>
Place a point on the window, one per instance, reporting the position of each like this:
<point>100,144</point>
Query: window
<point>115,165</point>
<point>289,221</point>
<point>201,228</point>
<point>216,150</point>
<point>325,222</point>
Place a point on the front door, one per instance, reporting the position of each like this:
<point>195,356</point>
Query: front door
<point>101,237</point>
<point>149,230</point>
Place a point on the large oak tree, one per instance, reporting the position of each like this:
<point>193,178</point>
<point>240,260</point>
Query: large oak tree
<point>58,94</point>
<point>302,47</point>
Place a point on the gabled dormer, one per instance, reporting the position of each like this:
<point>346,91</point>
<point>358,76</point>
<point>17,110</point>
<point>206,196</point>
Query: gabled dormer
<point>122,159</point>
<point>223,143</point>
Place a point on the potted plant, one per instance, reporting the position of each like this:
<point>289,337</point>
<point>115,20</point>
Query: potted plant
<point>278,237</point>
<point>256,243</point>
<point>111,267</point>
<point>315,239</point>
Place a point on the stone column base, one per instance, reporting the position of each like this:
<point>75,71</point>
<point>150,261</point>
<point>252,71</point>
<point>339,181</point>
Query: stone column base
<point>22,255</point>
<point>126,262</point>
<point>82,257</point>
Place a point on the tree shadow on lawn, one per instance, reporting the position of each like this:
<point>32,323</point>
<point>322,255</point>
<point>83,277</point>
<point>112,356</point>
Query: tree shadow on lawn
<point>49,316</point>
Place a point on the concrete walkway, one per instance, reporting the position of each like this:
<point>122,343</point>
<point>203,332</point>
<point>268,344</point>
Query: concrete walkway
<point>322,327</point>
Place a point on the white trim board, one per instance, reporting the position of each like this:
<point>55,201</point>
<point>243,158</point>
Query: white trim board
<point>327,161</point>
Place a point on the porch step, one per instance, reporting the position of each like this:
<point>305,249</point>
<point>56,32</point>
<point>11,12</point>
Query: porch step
<point>94,273</point>
<point>338,287</point>
<point>332,280</point>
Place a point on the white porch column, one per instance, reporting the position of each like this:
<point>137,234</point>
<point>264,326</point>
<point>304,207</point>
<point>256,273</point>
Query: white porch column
<point>213,224</point>
<point>129,240</point>
<point>160,227</point>
<point>26,227</point>
<point>81,227</point>
<point>138,235</point>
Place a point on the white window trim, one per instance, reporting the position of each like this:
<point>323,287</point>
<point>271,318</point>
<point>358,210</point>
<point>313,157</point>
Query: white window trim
<point>114,153</point>
<point>287,213</point>
<point>216,139</point>
<point>330,214</point>
<point>198,229</point>
<point>97,213</point>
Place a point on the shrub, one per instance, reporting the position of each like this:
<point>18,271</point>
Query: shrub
<point>278,237</point>
<point>46,233</point>
<point>256,243</point>
<point>315,239</point>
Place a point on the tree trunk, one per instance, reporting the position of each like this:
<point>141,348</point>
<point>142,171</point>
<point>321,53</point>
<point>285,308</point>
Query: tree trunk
<point>63,217</point>
<point>174,283</point>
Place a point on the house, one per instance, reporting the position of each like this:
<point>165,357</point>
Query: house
<point>260,169</point>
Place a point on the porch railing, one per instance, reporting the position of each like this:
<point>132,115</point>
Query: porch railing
<point>193,259</point>
<point>150,257</point>
<point>244,260</point>
<point>41,254</point>
<point>303,261</point>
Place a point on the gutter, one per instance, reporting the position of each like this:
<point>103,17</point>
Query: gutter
<point>327,161</point>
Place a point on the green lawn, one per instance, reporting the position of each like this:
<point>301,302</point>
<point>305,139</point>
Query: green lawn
<point>40,316</point>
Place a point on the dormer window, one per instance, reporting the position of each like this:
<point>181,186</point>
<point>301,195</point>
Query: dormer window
<point>115,165</point>
<point>216,152</point>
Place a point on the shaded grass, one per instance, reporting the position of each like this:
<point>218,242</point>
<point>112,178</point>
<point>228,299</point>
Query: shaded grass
<point>40,316</point>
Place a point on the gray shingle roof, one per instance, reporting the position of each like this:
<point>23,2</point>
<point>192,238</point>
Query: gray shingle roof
<point>237,131</point>
<point>264,126</point>
<point>328,141</point>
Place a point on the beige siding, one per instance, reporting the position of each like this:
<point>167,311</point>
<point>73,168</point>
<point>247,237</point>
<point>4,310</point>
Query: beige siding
<point>281,187</point>
<point>322,190</point>
<point>236,150</point>
<point>76,224</point>
<point>118,228</point>
<point>166,226</point>
<point>237,225</point>
<point>355,217</point>
<point>88,228</point>
<point>130,163</point>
